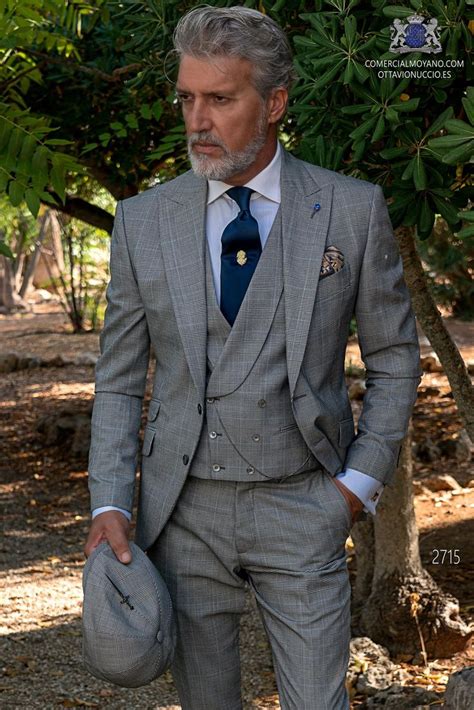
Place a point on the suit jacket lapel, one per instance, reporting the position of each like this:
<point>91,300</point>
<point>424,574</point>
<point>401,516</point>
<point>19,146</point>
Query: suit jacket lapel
<point>304,231</point>
<point>182,238</point>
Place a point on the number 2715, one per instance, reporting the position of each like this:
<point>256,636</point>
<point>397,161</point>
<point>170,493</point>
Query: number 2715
<point>445,557</point>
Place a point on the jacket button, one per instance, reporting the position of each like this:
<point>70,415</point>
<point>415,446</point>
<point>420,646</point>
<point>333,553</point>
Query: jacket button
<point>210,400</point>
<point>213,435</point>
<point>185,459</point>
<point>256,437</point>
<point>199,409</point>
<point>250,470</point>
<point>216,467</point>
<point>262,403</point>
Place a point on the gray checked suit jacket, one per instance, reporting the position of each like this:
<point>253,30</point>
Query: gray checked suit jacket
<point>157,296</point>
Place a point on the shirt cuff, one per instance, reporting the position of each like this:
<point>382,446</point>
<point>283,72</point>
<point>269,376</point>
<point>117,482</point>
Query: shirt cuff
<point>105,508</point>
<point>367,488</point>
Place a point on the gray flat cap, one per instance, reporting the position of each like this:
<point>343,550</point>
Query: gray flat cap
<point>129,632</point>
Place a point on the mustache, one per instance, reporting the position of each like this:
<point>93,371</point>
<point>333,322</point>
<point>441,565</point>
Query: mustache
<point>206,137</point>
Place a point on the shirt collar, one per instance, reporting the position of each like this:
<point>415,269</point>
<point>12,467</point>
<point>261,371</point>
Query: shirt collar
<point>266,183</point>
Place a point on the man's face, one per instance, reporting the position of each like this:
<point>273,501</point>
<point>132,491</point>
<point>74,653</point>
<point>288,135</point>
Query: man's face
<point>227,121</point>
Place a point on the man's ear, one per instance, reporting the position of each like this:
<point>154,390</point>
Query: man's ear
<point>277,103</point>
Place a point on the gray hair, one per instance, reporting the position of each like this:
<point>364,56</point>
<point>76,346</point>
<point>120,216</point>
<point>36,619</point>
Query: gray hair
<point>207,32</point>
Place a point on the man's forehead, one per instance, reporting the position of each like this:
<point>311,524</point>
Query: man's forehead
<point>222,70</point>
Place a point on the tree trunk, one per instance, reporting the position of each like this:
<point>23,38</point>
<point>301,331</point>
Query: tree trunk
<point>33,261</point>
<point>430,320</point>
<point>406,611</point>
<point>11,299</point>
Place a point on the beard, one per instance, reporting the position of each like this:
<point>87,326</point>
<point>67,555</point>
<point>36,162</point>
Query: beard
<point>232,162</point>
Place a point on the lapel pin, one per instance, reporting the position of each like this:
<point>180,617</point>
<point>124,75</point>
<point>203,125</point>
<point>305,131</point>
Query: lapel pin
<point>241,257</point>
<point>316,208</point>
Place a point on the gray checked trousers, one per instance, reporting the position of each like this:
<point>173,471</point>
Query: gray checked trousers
<point>286,540</point>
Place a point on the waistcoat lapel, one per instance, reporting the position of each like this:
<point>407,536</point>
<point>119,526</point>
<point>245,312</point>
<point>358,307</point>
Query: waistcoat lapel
<point>254,319</point>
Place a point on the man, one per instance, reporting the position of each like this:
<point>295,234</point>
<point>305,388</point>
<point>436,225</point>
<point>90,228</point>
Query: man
<point>244,274</point>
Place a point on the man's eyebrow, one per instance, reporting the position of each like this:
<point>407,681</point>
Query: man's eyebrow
<point>179,91</point>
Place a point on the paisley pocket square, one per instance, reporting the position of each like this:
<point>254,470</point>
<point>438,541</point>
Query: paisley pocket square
<point>333,260</point>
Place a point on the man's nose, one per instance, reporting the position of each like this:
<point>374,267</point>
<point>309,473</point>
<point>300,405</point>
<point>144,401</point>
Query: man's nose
<point>198,118</point>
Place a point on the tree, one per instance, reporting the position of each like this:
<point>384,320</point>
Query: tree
<point>406,133</point>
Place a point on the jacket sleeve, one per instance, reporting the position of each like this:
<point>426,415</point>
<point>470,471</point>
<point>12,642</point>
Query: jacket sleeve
<point>389,347</point>
<point>120,381</point>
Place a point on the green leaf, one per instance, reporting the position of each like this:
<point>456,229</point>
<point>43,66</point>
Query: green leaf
<point>446,210</point>
<point>131,120</point>
<point>397,11</point>
<point>5,250</point>
<point>26,154</point>
<point>439,122</point>
<point>379,129</point>
<point>460,128</point>
<point>116,125</point>
<point>355,108</point>
<point>361,72</point>
<point>33,201</point>
<point>145,111</point>
<point>419,174</point>
<point>39,168</point>
<point>410,105</point>
<point>157,110</point>
<point>363,129</point>
<point>350,28</point>
<point>408,172</point>
<point>461,154</point>
<point>468,104</point>
<point>467,216</point>
<point>15,192</point>
<point>327,76</point>
<point>426,220</point>
<point>57,141</point>
<point>391,153</point>
<point>463,233</point>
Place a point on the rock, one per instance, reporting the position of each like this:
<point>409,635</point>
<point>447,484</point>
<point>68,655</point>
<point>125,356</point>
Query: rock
<point>68,426</point>
<point>404,698</point>
<point>458,449</point>
<point>55,361</point>
<point>460,690</point>
<point>370,668</point>
<point>443,482</point>
<point>428,392</point>
<point>357,390</point>
<point>8,362</point>
<point>470,367</point>
<point>427,451</point>
<point>86,358</point>
<point>430,363</point>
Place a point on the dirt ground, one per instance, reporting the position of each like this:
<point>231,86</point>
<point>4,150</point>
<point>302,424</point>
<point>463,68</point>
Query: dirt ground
<point>44,503</point>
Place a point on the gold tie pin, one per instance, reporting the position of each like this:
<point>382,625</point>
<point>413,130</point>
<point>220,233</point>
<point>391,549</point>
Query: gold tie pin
<point>241,257</point>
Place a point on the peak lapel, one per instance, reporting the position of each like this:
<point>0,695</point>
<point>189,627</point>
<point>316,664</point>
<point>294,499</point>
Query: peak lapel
<point>182,232</point>
<point>304,230</point>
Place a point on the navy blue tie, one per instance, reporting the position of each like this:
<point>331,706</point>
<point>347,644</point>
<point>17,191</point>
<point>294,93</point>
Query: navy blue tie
<point>241,249</point>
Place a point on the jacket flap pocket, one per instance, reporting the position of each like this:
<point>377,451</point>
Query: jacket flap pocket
<point>148,441</point>
<point>346,432</point>
<point>153,409</point>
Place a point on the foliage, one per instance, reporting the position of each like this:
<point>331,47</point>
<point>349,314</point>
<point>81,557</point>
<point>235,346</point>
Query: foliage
<point>383,128</point>
<point>81,287</point>
<point>449,262</point>
<point>30,157</point>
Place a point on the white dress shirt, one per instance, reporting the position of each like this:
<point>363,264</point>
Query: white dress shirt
<point>264,203</point>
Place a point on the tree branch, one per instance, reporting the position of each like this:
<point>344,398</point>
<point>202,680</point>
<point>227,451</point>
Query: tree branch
<point>80,209</point>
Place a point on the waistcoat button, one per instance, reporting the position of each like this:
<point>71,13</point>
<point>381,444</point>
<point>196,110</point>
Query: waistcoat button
<point>261,403</point>
<point>256,437</point>
<point>250,470</point>
<point>213,435</point>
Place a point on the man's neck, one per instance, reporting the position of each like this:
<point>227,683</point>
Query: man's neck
<point>263,159</point>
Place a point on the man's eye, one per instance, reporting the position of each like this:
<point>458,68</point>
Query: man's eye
<point>183,98</point>
<point>220,99</point>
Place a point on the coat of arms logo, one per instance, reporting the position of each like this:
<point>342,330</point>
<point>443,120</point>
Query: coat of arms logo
<point>415,34</point>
